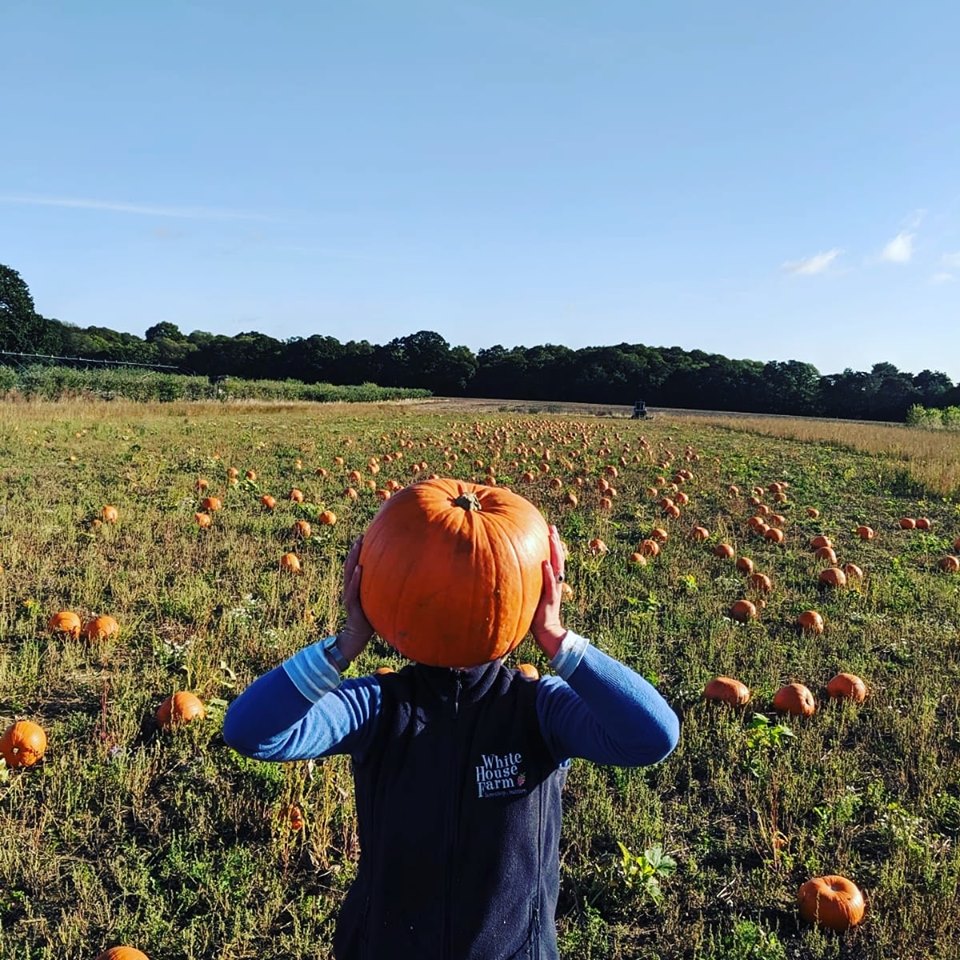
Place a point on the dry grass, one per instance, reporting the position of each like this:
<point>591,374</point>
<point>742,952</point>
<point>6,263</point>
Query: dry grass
<point>930,457</point>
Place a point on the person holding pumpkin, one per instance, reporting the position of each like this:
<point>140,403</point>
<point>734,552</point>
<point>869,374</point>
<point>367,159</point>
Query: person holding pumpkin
<point>458,760</point>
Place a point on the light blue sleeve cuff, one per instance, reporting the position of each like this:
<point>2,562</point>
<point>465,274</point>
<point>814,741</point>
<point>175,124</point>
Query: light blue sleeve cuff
<point>311,672</point>
<point>569,655</point>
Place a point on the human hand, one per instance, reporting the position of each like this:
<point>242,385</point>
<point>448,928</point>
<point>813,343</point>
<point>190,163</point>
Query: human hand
<point>547,629</point>
<point>357,632</point>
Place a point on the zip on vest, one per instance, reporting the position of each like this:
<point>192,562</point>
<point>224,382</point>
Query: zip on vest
<point>452,840</point>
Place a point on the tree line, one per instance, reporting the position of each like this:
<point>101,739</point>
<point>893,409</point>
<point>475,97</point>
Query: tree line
<point>618,374</point>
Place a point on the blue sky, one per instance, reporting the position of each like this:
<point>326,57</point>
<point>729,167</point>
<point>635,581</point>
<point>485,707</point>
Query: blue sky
<point>773,181</point>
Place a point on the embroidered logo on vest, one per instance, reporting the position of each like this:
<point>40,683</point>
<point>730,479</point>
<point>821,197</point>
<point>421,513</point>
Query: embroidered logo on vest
<point>500,775</point>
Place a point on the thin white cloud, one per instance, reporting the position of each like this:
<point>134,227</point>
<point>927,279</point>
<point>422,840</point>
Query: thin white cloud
<point>138,209</point>
<point>899,249</point>
<point>810,266</point>
<point>951,261</point>
<point>942,277</point>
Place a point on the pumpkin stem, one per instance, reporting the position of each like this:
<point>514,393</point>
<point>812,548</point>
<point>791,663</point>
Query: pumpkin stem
<point>469,501</point>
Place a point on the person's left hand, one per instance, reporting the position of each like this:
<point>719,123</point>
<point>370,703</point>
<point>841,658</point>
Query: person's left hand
<point>356,632</point>
<point>547,629</point>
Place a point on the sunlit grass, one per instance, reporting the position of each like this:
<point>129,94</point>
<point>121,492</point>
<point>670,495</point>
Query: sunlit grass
<point>930,457</point>
<point>179,845</point>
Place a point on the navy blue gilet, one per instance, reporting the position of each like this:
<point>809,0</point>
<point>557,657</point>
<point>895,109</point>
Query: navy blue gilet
<point>458,810</point>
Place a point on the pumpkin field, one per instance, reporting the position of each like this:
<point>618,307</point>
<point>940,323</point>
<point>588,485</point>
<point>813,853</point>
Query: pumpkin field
<point>153,550</point>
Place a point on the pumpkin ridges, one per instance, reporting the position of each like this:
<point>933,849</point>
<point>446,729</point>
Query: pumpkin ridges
<point>517,561</point>
<point>531,585</point>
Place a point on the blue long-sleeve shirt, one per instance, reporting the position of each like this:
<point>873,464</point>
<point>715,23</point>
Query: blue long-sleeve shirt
<point>597,709</point>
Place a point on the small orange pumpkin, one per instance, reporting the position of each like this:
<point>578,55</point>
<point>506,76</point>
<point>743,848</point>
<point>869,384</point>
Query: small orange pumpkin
<point>109,514</point>
<point>810,621</point>
<point>795,699</point>
<point>744,565</point>
<point>923,523</point>
<point>827,554</point>
<point>760,582</point>
<point>950,564</point>
<point>832,901</point>
<point>293,815</point>
<point>180,708</point>
<point>597,547</point>
<point>528,671</point>
<point>866,533</point>
<point>727,690</point>
<point>743,610</point>
<point>637,559</point>
<point>649,548</point>
<point>290,562</point>
<point>301,529</point>
<point>774,535</point>
<point>699,534</point>
<point>724,551</point>
<point>821,541</point>
<point>847,686</point>
<point>23,743</point>
<point>203,519</point>
<point>268,502</point>
<point>101,628</point>
<point>833,577</point>
<point>65,622</point>
<point>295,495</point>
<point>852,572</point>
<point>123,953</point>
<point>907,523</point>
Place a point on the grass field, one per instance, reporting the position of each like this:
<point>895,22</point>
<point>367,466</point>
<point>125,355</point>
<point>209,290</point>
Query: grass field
<point>174,843</point>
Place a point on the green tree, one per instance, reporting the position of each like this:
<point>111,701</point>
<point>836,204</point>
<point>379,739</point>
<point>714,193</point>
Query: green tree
<point>163,331</point>
<point>22,329</point>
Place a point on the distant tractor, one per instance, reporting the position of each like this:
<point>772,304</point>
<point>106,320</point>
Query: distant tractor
<point>639,410</point>
<point>218,385</point>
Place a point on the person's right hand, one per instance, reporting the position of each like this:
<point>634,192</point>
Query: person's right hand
<point>547,629</point>
<point>356,632</point>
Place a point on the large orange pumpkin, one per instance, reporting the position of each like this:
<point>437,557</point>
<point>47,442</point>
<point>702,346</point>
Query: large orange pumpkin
<point>452,571</point>
<point>23,743</point>
<point>123,953</point>
<point>832,901</point>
